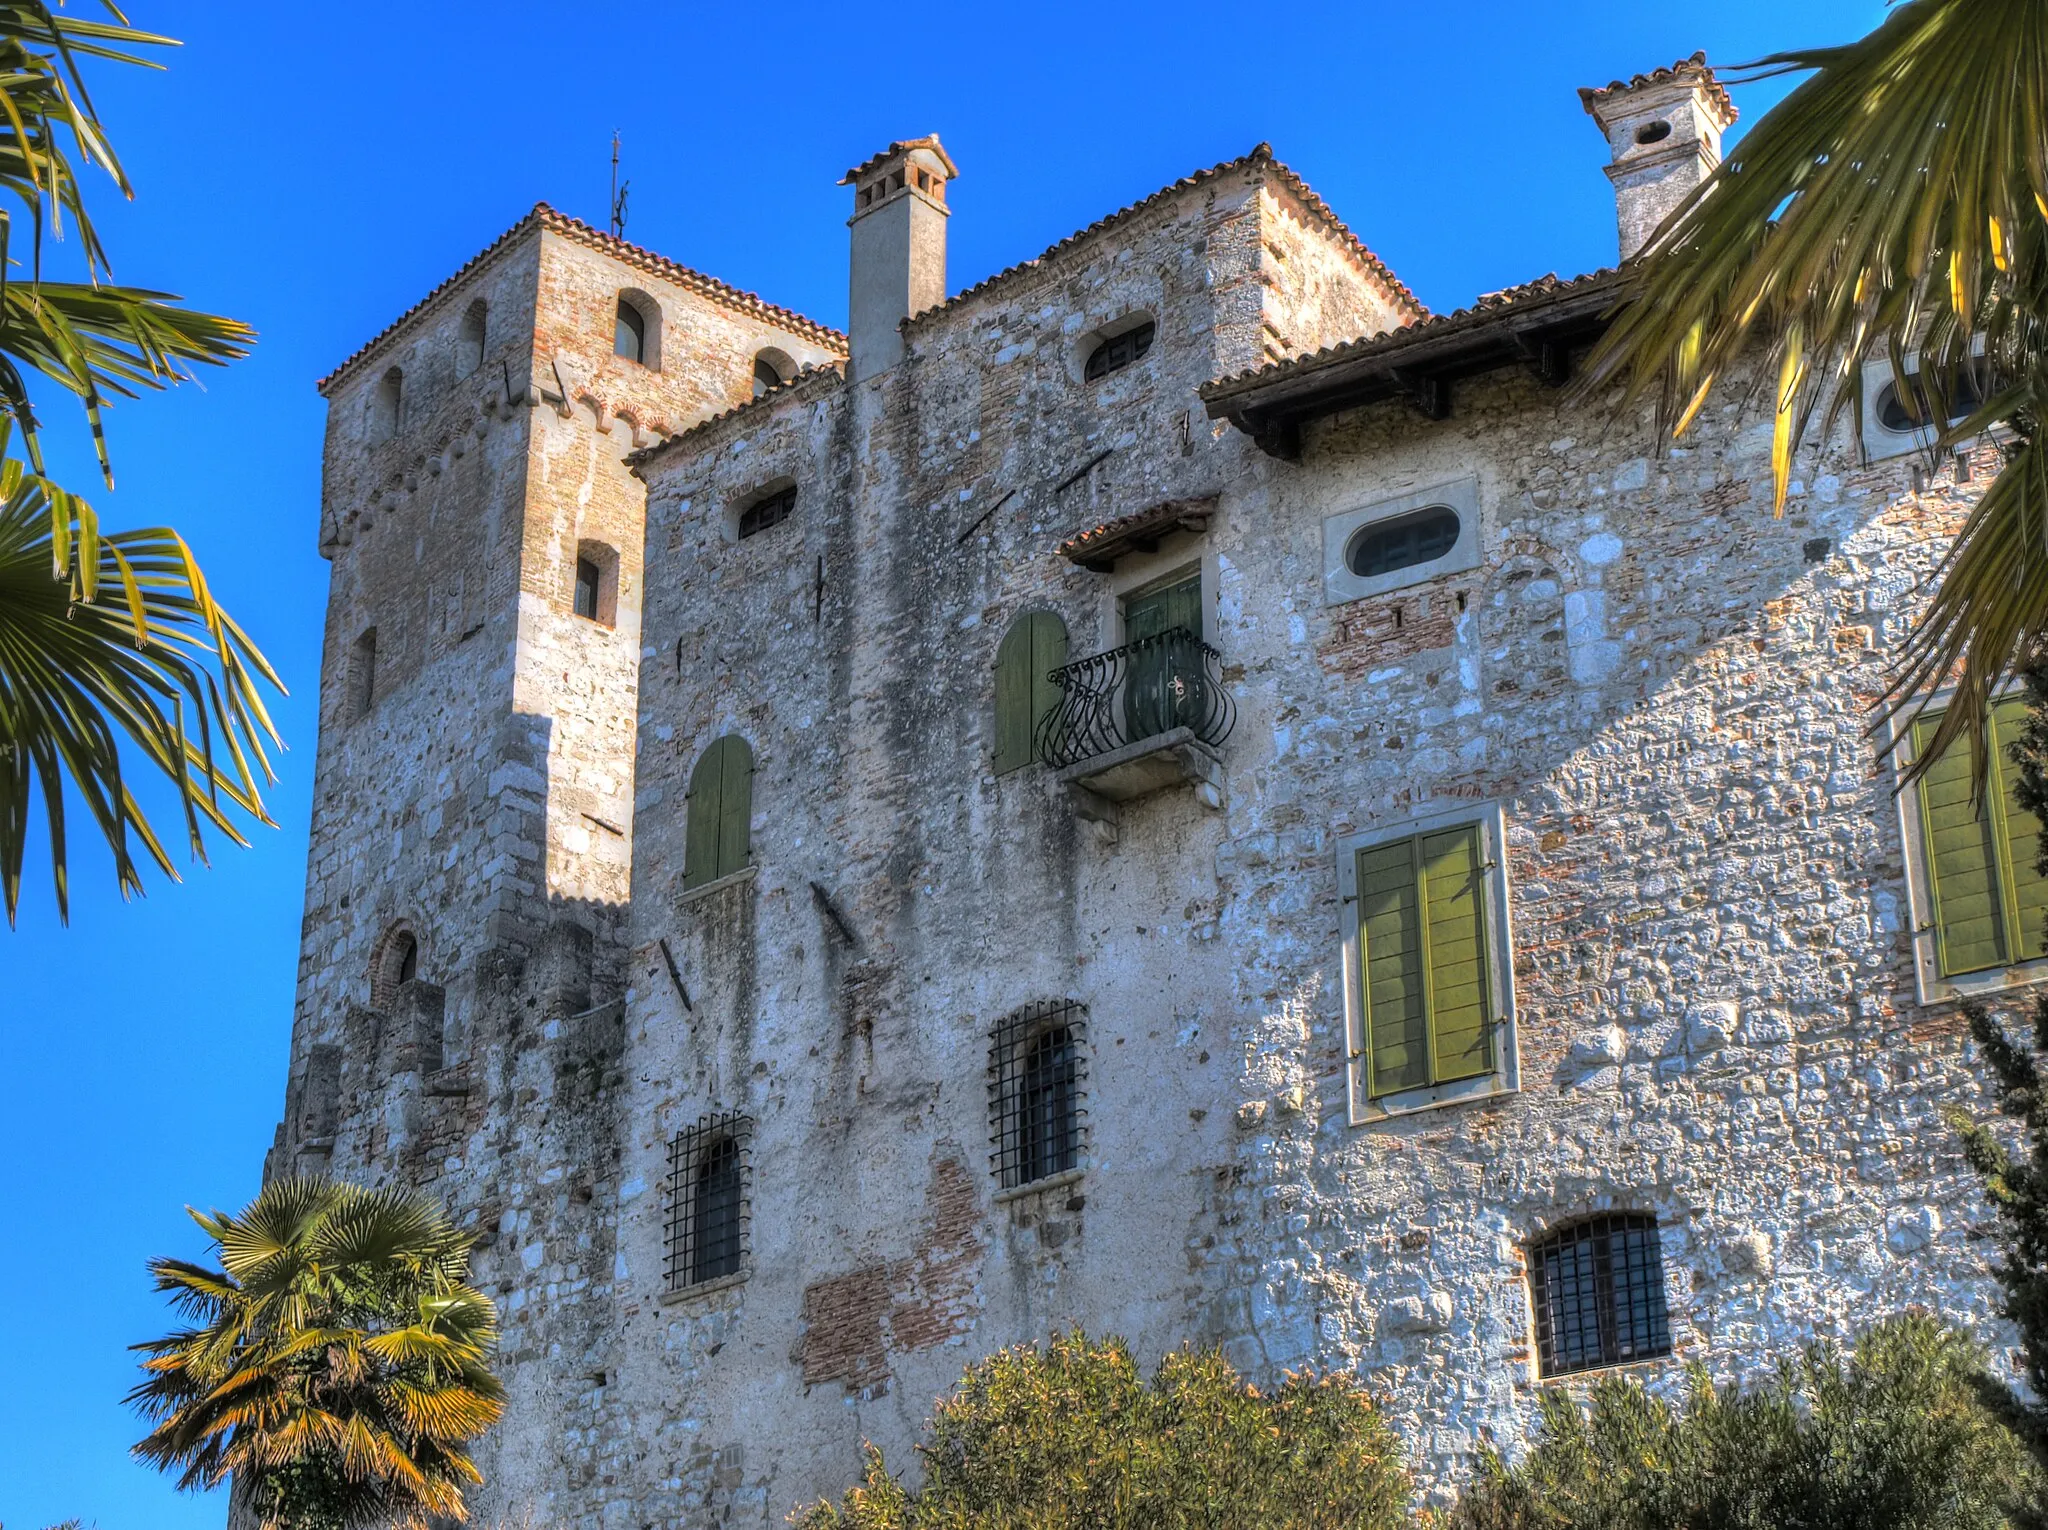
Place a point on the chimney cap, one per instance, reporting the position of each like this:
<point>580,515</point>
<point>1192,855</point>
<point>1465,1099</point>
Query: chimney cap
<point>930,143</point>
<point>1694,70</point>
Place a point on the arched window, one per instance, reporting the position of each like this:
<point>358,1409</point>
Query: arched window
<point>395,962</point>
<point>706,1235</point>
<point>637,335</point>
<point>1035,1068</point>
<point>1597,1288</point>
<point>772,368</point>
<point>629,339</point>
<point>387,405</point>
<point>1119,351</point>
<point>1031,650</point>
<point>469,340</point>
<point>718,812</point>
<point>770,509</point>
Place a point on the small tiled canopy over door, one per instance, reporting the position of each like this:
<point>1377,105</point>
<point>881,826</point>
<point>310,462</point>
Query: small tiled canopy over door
<point>721,805</point>
<point>1031,650</point>
<point>1160,688</point>
<point>1423,957</point>
<point>1989,901</point>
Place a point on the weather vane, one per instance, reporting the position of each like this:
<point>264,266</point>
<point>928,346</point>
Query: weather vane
<point>618,192</point>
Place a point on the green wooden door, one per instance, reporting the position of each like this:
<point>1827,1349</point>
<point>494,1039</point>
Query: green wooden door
<point>1162,686</point>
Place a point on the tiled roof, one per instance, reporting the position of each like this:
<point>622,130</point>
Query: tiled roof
<point>929,141</point>
<point>1262,155</point>
<point>1099,546</point>
<point>780,393</point>
<point>1592,96</point>
<point>1489,307</point>
<point>545,217</point>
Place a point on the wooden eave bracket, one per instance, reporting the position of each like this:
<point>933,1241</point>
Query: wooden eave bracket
<point>1429,396</point>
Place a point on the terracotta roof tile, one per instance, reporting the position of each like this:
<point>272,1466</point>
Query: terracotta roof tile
<point>1101,545</point>
<point>1592,96</point>
<point>546,218</point>
<point>1262,155</point>
<point>1488,306</point>
<point>929,141</point>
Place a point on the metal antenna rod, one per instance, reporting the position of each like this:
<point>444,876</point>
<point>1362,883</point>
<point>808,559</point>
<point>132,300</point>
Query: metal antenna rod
<point>618,192</point>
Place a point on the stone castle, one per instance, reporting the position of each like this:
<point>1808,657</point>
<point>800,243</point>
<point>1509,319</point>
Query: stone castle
<point>1172,790</point>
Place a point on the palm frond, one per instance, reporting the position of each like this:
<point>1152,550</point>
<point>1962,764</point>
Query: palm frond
<point>1892,204</point>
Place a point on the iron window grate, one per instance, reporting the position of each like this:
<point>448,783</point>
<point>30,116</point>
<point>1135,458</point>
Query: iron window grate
<point>770,511</point>
<point>1598,1290</point>
<point>709,1184</point>
<point>1036,1073</point>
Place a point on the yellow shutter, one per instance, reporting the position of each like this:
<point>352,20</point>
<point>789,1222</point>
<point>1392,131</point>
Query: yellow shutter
<point>1425,967</point>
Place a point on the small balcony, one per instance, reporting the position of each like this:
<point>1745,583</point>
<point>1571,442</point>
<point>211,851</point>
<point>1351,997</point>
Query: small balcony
<point>1139,719</point>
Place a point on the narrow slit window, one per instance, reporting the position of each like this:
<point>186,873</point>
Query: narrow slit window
<point>588,577</point>
<point>362,674</point>
<point>629,339</point>
<point>1597,1288</point>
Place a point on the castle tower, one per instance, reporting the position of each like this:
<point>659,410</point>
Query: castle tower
<point>463,946</point>
<point>1664,130</point>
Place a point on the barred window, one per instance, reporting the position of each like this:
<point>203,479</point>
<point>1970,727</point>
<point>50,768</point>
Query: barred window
<point>1035,1078</point>
<point>772,510</point>
<point>1598,1290</point>
<point>706,1235</point>
<point>1119,351</point>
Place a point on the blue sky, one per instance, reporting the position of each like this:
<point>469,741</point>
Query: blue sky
<point>315,169</point>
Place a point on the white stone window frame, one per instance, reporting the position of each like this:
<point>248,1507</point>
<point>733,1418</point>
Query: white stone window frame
<point>1506,1077</point>
<point>1341,585</point>
<point>1929,986</point>
<point>1880,442</point>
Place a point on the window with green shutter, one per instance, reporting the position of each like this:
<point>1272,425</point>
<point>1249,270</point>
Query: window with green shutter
<point>1031,650</point>
<point>719,809</point>
<point>1988,902</point>
<point>1425,964</point>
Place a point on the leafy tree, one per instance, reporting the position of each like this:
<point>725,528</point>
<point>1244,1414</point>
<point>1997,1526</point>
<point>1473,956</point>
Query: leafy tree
<point>106,641</point>
<point>1896,200</point>
<point>1070,1437</point>
<point>1901,1437</point>
<point>337,1363</point>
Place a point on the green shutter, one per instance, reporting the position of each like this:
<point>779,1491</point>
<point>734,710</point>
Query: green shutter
<point>720,809</point>
<point>1428,990</point>
<point>1035,645</point>
<point>2026,887</point>
<point>1963,870</point>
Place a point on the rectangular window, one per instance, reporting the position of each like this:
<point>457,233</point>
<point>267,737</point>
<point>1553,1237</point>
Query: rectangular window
<point>1598,1291</point>
<point>1428,987</point>
<point>1986,901</point>
<point>587,579</point>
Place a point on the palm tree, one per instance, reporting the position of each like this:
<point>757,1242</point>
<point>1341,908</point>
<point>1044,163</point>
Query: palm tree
<point>337,1363</point>
<point>1896,202</point>
<point>106,642</point>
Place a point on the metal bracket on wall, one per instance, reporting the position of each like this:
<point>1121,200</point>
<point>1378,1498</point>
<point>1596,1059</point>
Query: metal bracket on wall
<point>831,911</point>
<point>675,976</point>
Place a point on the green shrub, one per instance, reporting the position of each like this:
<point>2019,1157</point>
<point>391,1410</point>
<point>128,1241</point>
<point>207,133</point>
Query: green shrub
<point>1072,1436</point>
<point>1903,1436</point>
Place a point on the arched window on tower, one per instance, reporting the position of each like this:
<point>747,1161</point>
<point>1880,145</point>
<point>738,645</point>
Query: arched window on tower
<point>1031,650</point>
<point>396,962</point>
<point>469,340</point>
<point>637,335</point>
<point>718,813</point>
<point>387,405</point>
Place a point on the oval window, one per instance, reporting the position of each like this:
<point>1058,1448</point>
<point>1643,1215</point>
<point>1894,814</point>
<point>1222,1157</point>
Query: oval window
<point>1422,536</point>
<point>1895,414</point>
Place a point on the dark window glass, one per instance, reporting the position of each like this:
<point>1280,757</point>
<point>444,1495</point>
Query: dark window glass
<point>1403,542</point>
<point>1895,413</point>
<point>765,377</point>
<point>1046,1135</point>
<point>408,958</point>
<point>715,1212</point>
<point>763,513</point>
<point>586,588</point>
<point>1598,1291</point>
<point>1115,354</point>
<point>630,339</point>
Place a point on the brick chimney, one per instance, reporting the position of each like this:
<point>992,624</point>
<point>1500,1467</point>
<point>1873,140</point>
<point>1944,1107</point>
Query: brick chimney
<point>899,247</point>
<point>1664,131</point>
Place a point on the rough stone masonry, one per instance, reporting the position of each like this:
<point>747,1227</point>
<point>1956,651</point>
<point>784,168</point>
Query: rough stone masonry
<point>780,1080</point>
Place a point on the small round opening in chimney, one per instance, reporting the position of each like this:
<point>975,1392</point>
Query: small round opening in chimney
<point>1653,132</point>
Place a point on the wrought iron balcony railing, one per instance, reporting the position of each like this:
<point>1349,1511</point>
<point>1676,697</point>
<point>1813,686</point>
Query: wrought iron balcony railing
<point>1139,691</point>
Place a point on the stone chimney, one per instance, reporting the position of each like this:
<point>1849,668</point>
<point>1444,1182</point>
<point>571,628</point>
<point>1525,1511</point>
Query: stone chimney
<point>1664,131</point>
<point>899,248</point>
